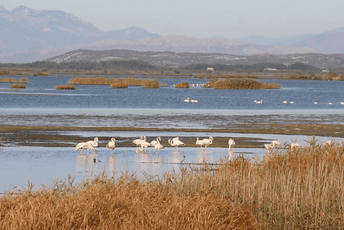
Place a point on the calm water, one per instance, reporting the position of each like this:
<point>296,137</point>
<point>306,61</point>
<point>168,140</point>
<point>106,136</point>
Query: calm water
<point>41,104</point>
<point>41,93</point>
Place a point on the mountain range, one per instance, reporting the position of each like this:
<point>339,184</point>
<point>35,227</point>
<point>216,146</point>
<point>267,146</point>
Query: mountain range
<point>30,35</point>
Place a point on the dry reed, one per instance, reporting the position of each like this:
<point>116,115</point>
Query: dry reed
<point>17,86</point>
<point>147,83</point>
<point>240,84</point>
<point>290,189</point>
<point>65,87</point>
<point>119,85</point>
<point>182,85</point>
<point>14,80</point>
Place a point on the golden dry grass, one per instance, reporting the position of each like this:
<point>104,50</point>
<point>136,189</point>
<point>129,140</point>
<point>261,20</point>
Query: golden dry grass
<point>289,189</point>
<point>17,86</point>
<point>14,80</point>
<point>65,87</point>
<point>240,84</point>
<point>119,85</point>
<point>182,85</point>
<point>147,83</point>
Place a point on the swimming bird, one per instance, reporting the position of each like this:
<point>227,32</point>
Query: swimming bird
<point>315,103</point>
<point>258,102</point>
<point>187,100</point>
<point>175,142</point>
<point>341,103</point>
<point>329,103</point>
<point>231,143</point>
<point>111,144</point>
<point>194,101</point>
<point>291,102</point>
<point>84,145</point>
<point>284,102</point>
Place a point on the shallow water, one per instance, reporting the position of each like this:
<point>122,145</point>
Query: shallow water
<point>41,166</point>
<point>99,106</point>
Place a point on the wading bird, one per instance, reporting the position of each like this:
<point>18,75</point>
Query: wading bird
<point>154,142</point>
<point>231,143</point>
<point>111,144</point>
<point>84,145</point>
<point>175,142</point>
<point>94,143</point>
<point>207,142</point>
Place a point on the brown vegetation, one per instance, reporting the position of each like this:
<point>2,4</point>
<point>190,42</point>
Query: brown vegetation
<point>119,85</point>
<point>19,72</point>
<point>331,76</point>
<point>240,84</point>
<point>290,189</point>
<point>17,86</point>
<point>14,80</point>
<point>116,82</point>
<point>65,87</point>
<point>182,85</point>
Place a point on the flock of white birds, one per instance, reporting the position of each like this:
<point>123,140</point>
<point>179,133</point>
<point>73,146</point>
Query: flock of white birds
<point>142,144</point>
<point>292,102</point>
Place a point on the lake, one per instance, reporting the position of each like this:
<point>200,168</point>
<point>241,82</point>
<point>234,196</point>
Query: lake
<point>99,105</point>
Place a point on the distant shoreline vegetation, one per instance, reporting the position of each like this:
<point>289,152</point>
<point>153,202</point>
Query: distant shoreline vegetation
<point>240,84</point>
<point>117,82</point>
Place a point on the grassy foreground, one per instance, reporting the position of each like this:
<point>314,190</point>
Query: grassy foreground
<point>290,189</point>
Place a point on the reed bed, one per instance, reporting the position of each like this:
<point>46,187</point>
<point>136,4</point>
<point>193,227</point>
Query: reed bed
<point>14,80</point>
<point>182,85</point>
<point>65,87</point>
<point>290,189</point>
<point>240,84</point>
<point>19,86</point>
<point>147,83</point>
<point>119,85</point>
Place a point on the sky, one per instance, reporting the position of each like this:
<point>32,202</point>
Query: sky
<point>203,19</point>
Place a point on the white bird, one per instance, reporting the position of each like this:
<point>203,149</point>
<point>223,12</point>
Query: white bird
<point>329,142</point>
<point>194,101</point>
<point>315,103</point>
<point>268,147</point>
<point>175,142</point>
<point>258,102</point>
<point>187,100</point>
<point>329,103</point>
<point>158,146</point>
<point>94,143</point>
<point>284,102</point>
<point>84,145</point>
<point>111,144</point>
<point>341,103</point>
<point>143,145</point>
<point>294,145</point>
<point>291,102</point>
<point>207,142</point>
<point>199,142</point>
<point>154,142</point>
<point>231,143</point>
<point>138,141</point>
<point>275,144</point>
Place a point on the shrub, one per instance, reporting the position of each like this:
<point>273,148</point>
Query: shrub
<point>65,87</point>
<point>17,86</point>
<point>182,85</point>
<point>240,84</point>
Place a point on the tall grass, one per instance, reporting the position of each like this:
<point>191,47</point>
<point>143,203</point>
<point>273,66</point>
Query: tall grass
<point>290,189</point>
<point>240,84</point>
<point>14,80</point>
<point>17,86</point>
<point>183,84</point>
<point>65,87</point>
<point>116,82</point>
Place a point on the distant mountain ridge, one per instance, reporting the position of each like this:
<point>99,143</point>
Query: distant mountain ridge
<point>30,35</point>
<point>177,59</point>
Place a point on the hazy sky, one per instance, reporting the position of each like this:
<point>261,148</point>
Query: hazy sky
<point>204,19</point>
